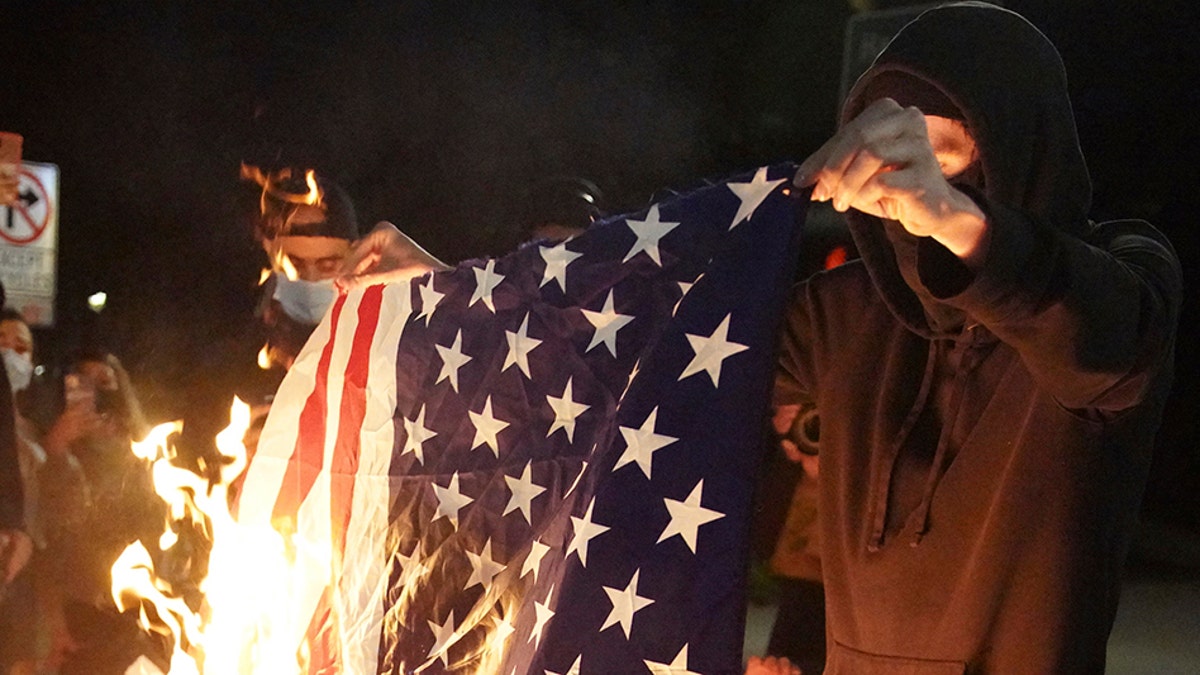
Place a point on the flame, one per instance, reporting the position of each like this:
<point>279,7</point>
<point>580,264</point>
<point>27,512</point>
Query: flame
<point>247,613</point>
<point>263,276</point>
<point>286,266</point>
<point>264,357</point>
<point>313,198</point>
<point>272,184</point>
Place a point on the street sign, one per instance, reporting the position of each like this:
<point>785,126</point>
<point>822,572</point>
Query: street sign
<point>29,244</point>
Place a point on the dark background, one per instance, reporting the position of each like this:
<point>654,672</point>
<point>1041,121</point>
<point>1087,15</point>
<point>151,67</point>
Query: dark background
<point>439,115</point>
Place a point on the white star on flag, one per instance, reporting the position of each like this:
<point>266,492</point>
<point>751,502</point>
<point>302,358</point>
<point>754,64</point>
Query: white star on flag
<point>625,603</point>
<point>519,346</point>
<point>566,410</point>
<point>678,666</point>
<point>486,281</point>
<point>524,491</point>
<point>533,561</point>
<point>486,427</point>
<point>450,500</point>
<point>557,258</point>
<point>710,351</point>
<point>429,299</point>
<point>443,637</point>
<point>607,323</point>
<point>642,443</point>
<point>453,358</point>
<point>503,629</point>
<point>584,530</point>
<point>687,516</point>
<point>544,614</point>
<point>416,434</point>
<point>648,232</point>
<point>752,194</point>
<point>412,569</point>
<point>483,567</point>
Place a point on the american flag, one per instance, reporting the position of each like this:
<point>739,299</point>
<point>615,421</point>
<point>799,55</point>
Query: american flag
<point>541,463</point>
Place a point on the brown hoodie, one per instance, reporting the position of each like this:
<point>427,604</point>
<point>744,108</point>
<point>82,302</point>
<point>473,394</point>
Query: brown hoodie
<point>980,477</point>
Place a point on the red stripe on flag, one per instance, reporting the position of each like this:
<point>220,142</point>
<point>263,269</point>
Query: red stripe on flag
<point>322,643</point>
<point>344,463</point>
<point>308,456</point>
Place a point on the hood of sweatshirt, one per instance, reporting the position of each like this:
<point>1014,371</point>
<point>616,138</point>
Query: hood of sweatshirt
<point>992,69</point>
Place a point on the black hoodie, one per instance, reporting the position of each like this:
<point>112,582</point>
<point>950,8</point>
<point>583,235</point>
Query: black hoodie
<point>980,478</point>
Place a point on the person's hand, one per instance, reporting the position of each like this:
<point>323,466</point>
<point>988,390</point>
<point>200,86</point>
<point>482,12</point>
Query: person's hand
<point>882,163</point>
<point>9,183</point>
<point>16,548</point>
<point>386,254</point>
<point>782,420</point>
<point>771,665</point>
<point>75,422</point>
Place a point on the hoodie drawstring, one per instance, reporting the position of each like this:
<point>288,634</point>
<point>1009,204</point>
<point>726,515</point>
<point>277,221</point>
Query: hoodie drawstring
<point>967,362</point>
<point>880,503</point>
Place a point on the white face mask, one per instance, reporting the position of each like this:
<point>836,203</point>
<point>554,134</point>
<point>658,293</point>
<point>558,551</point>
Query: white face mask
<point>305,301</point>
<point>19,369</point>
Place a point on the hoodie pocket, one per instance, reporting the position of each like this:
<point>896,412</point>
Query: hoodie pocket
<point>845,660</point>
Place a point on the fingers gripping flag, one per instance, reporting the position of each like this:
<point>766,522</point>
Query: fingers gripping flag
<point>541,463</point>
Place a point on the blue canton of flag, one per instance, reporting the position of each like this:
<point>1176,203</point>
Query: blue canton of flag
<point>571,455</point>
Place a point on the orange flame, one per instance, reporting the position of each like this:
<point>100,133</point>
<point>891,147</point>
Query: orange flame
<point>247,610</point>
<point>272,184</point>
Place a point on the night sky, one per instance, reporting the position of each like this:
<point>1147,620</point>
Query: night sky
<point>439,115</point>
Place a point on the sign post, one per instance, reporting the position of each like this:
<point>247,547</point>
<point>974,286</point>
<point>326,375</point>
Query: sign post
<point>29,244</point>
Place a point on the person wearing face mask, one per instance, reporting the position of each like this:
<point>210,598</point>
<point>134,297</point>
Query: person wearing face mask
<point>16,544</point>
<point>306,245</point>
<point>95,498</point>
<point>990,375</point>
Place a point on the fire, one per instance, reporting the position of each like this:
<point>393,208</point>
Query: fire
<point>264,357</point>
<point>313,198</point>
<point>278,204</point>
<point>274,184</point>
<point>246,612</point>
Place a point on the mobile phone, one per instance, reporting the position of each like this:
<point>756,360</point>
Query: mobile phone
<point>78,391</point>
<point>10,147</point>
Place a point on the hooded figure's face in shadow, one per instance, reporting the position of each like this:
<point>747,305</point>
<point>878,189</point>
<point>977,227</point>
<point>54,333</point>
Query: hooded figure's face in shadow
<point>953,145</point>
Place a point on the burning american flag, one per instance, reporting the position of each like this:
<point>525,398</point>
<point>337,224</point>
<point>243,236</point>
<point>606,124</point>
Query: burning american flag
<point>541,463</point>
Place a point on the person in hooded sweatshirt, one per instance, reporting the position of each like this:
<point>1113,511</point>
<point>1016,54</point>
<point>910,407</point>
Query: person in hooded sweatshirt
<point>990,374</point>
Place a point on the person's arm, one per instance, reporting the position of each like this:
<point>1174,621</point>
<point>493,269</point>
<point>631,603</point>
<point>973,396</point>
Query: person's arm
<point>135,419</point>
<point>795,377</point>
<point>15,545</point>
<point>1093,322</point>
<point>9,183</point>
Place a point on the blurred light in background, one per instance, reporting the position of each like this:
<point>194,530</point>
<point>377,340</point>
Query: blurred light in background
<point>97,301</point>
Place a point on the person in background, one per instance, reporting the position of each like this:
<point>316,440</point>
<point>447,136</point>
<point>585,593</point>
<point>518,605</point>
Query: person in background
<point>795,560</point>
<point>306,244</point>
<point>559,208</point>
<point>18,627</point>
<point>990,376</point>
<point>96,497</point>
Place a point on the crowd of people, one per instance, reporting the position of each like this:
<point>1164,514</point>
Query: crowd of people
<point>84,496</point>
<point>972,402</point>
